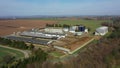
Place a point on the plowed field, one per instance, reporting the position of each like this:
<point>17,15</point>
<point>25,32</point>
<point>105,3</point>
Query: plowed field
<point>10,26</point>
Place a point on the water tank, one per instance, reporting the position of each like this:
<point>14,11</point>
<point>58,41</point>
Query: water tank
<point>81,28</point>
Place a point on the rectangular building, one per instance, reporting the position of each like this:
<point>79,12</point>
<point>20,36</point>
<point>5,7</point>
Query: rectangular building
<point>101,30</point>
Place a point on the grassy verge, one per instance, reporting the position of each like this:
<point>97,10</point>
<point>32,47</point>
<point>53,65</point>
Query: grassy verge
<point>56,54</point>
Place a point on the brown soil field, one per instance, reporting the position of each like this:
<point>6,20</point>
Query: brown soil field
<point>72,43</point>
<point>80,42</point>
<point>10,26</point>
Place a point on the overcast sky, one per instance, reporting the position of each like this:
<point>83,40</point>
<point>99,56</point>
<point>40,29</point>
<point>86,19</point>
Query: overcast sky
<point>59,7</point>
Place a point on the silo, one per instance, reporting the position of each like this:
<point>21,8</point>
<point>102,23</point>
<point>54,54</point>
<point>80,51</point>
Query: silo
<point>81,28</point>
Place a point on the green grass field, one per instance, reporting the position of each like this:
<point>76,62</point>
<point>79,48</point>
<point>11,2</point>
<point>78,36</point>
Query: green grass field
<point>92,24</point>
<point>5,51</point>
<point>55,54</point>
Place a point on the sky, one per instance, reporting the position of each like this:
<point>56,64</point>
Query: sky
<point>59,7</point>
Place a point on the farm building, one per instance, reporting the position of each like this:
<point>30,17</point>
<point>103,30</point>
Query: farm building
<point>78,30</point>
<point>42,35</point>
<point>73,29</point>
<point>65,29</point>
<point>63,49</point>
<point>86,30</point>
<point>54,30</point>
<point>78,33</point>
<point>81,28</point>
<point>30,40</point>
<point>101,30</point>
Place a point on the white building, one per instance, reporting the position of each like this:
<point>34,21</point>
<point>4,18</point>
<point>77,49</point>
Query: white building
<point>101,30</point>
<point>86,30</point>
<point>63,49</point>
<point>78,33</point>
<point>42,34</point>
<point>54,30</point>
<point>66,29</point>
<point>72,29</point>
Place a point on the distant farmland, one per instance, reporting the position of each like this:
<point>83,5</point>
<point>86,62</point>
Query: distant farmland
<point>92,24</point>
<point>10,26</point>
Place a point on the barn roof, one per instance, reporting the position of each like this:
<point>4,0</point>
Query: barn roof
<point>28,40</point>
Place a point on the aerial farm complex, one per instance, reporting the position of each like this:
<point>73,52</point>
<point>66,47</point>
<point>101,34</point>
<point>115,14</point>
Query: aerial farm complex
<point>65,39</point>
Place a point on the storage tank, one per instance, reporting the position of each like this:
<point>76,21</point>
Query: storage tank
<point>81,28</point>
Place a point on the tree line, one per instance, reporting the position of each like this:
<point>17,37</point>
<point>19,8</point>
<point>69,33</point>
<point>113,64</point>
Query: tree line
<point>58,25</point>
<point>38,56</point>
<point>116,26</point>
<point>61,25</point>
<point>13,43</point>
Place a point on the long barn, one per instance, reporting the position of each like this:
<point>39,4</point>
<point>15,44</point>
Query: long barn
<point>29,40</point>
<point>42,35</point>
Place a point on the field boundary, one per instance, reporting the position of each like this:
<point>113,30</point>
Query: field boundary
<point>81,46</point>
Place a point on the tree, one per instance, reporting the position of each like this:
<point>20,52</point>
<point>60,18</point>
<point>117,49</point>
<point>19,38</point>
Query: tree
<point>31,46</point>
<point>89,29</point>
<point>13,43</point>
<point>47,25</point>
<point>59,25</point>
<point>56,25</point>
<point>8,59</point>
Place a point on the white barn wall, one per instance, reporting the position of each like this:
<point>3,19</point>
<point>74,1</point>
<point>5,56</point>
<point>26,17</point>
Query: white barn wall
<point>53,30</point>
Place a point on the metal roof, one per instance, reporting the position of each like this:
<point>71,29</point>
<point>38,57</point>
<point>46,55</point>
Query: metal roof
<point>103,27</point>
<point>28,40</point>
<point>41,34</point>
